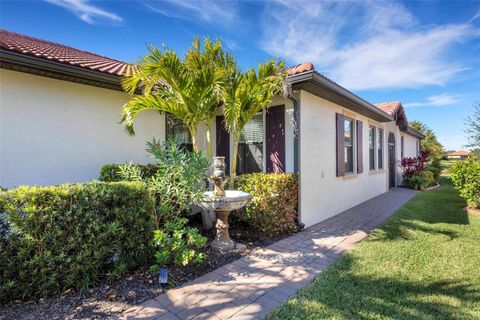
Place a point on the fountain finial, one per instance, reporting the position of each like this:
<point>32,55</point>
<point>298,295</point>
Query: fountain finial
<point>218,177</point>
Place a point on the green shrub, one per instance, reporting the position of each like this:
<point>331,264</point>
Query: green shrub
<point>466,179</point>
<point>112,172</point>
<point>435,167</point>
<point>178,182</point>
<point>273,209</point>
<point>177,244</point>
<point>71,236</point>
<point>419,180</point>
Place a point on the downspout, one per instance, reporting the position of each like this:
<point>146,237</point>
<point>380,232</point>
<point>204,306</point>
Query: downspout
<point>295,98</point>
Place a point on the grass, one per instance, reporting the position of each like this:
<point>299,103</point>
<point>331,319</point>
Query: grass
<point>446,164</point>
<point>423,263</point>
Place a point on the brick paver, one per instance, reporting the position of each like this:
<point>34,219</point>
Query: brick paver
<point>252,286</point>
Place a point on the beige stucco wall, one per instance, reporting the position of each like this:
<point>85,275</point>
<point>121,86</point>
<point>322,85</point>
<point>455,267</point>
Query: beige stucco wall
<point>322,194</point>
<point>54,131</point>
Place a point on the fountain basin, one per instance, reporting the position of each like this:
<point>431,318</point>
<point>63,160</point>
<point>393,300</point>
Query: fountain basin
<point>222,206</point>
<point>233,200</point>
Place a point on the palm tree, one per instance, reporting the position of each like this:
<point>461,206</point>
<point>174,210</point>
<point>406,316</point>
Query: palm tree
<point>164,82</point>
<point>212,59</point>
<point>245,94</point>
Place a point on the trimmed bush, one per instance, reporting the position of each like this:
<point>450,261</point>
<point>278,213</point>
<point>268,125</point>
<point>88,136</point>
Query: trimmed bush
<point>419,180</point>
<point>435,167</point>
<point>112,172</point>
<point>466,179</point>
<point>72,236</point>
<point>273,209</point>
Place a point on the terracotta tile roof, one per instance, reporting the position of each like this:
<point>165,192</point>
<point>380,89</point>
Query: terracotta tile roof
<point>43,49</point>
<point>392,108</point>
<point>459,153</point>
<point>300,68</point>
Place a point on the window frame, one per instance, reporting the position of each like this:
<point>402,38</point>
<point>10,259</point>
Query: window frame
<point>187,145</point>
<point>263,149</point>
<point>380,149</point>
<point>374,144</point>
<point>353,139</point>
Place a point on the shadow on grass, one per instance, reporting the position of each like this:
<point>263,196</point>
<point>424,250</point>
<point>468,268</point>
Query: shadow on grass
<point>341,293</point>
<point>430,212</point>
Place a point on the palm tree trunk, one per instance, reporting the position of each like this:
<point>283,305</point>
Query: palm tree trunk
<point>234,164</point>
<point>193,133</point>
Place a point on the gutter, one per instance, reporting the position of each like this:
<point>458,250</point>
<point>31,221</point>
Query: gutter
<point>47,68</point>
<point>322,83</point>
<point>415,133</point>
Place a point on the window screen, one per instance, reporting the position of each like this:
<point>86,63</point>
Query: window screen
<point>348,138</point>
<point>371,147</point>
<point>177,131</point>
<point>250,149</point>
<point>380,148</point>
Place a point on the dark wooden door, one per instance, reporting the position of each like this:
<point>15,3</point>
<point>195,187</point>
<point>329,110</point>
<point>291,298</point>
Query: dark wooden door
<point>223,142</point>
<point>391,160</point>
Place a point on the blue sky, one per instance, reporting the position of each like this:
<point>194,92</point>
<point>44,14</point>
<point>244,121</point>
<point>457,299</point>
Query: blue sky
<point>425,54</point>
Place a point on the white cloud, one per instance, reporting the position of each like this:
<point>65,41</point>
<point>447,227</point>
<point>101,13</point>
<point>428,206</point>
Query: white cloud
<point>87,12</point>
<point>211,11</point>
<point>363,45</point>
<point>443,99</point>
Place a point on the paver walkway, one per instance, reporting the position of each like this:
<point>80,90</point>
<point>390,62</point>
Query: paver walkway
<point>251,287</point>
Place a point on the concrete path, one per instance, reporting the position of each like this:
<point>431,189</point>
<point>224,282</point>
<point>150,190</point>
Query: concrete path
<point>251,287</point>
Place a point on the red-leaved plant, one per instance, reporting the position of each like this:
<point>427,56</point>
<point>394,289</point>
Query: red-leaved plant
<point>414,165</point>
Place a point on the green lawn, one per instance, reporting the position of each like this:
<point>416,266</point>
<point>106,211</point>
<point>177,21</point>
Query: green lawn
<point>423,263</point>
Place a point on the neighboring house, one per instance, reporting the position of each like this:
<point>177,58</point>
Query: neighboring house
<point>459,155</point>
<point>60,113</point>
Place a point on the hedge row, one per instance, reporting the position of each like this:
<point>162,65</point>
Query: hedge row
<point>110,172</point>
<point>274,205</point>
<point>466,179</point>
<point>71,236</point>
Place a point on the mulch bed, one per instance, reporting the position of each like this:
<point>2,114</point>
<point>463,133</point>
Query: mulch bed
<point>110,299</point>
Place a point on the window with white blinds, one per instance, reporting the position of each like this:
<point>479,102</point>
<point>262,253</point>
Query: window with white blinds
<point>250,149</point>
<point>253,131</point>
<point>176,130</point>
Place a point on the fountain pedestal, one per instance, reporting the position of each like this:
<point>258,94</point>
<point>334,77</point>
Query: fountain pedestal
<point>222,238</point>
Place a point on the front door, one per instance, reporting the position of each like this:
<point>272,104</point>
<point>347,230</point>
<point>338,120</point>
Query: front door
<point>391,160</point>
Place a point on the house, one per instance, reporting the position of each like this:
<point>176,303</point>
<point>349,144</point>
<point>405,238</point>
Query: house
<point>60,112</point>
<point>459,155</point>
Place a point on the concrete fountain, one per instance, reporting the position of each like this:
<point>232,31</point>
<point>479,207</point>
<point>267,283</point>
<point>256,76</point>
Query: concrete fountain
<point>222,202</point>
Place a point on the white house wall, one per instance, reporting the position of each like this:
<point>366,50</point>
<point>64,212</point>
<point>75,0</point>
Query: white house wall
<point>54,131</point>
<point>410,145</point>
<point>322,193</point>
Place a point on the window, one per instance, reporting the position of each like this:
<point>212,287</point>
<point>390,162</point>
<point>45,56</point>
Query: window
<point>417,147</point>
<point>402,147</point>
<point>250,148</point>
<point>177,131</point>
<point>348,142</point>
<point>380,148</point>
<point>371,147</point>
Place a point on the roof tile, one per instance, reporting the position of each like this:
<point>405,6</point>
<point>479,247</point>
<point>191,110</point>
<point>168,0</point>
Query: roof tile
<point>26,45</point>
